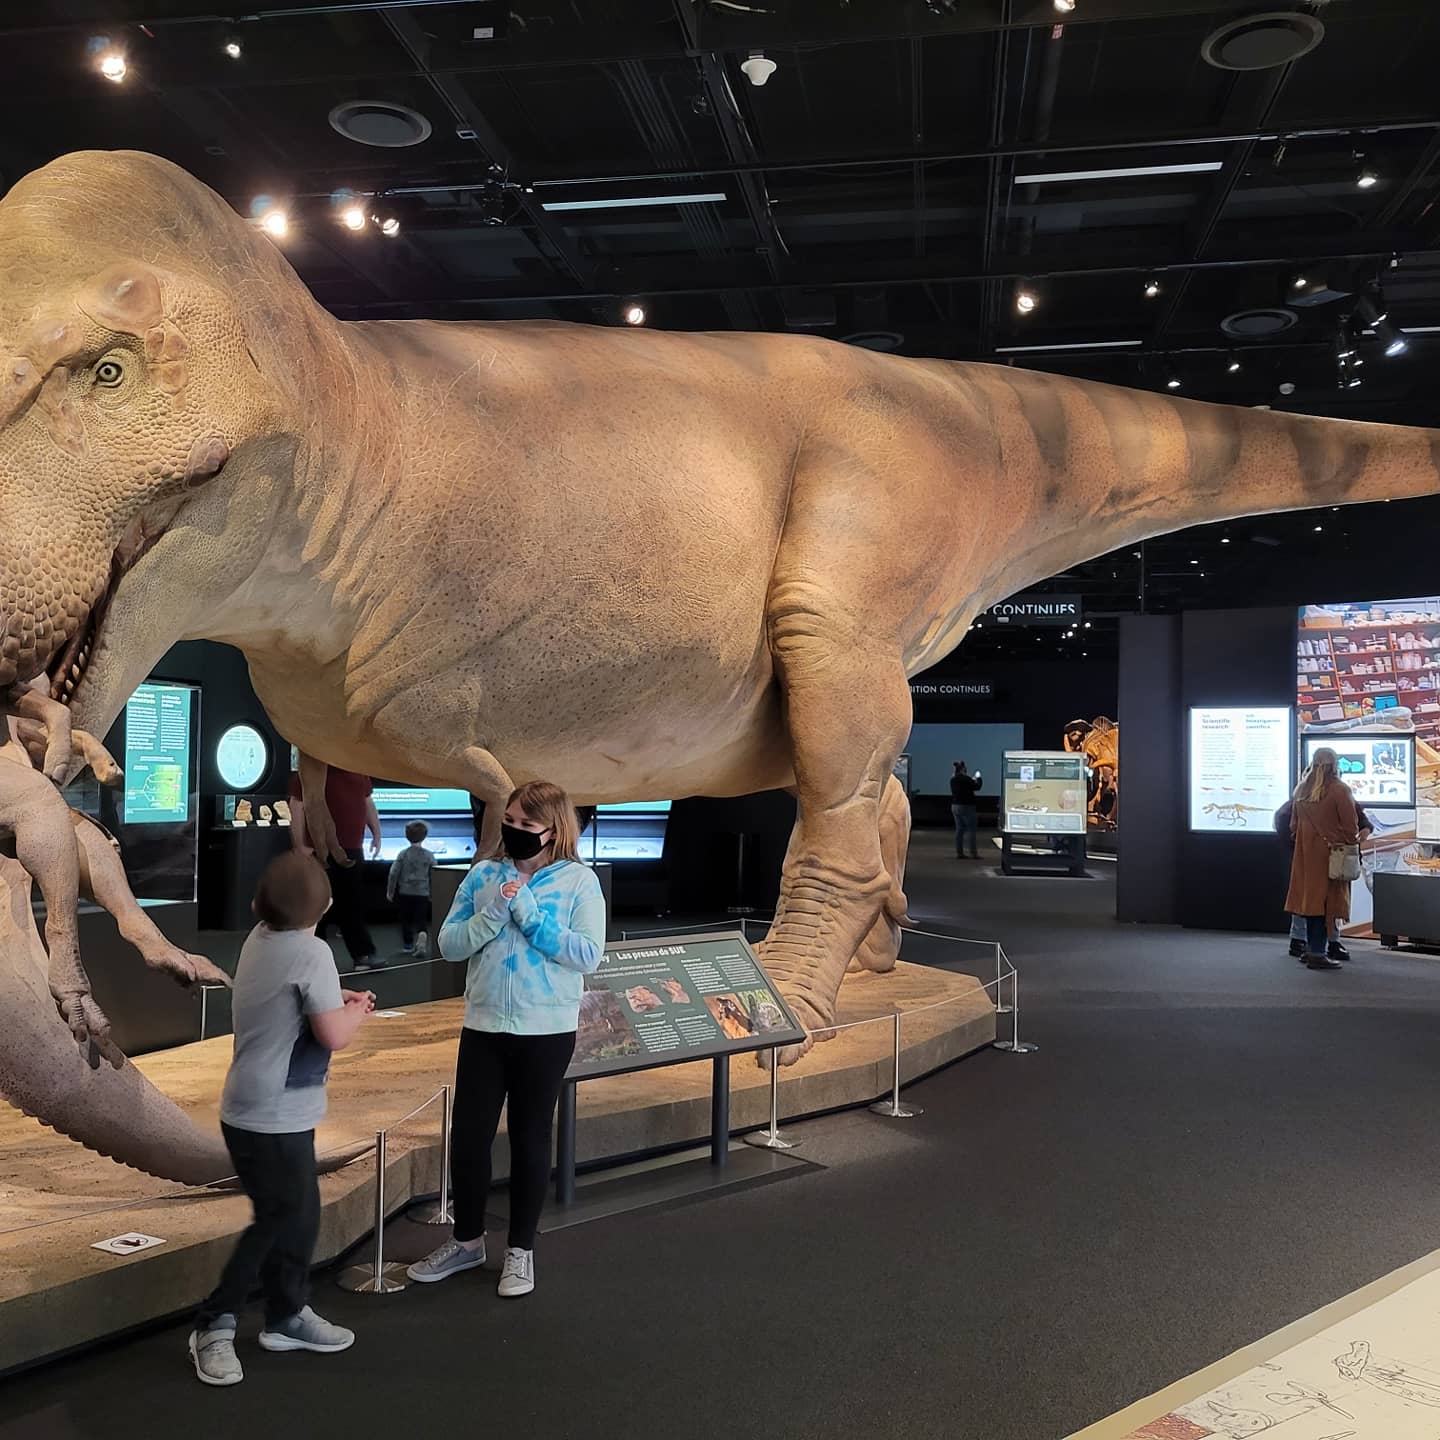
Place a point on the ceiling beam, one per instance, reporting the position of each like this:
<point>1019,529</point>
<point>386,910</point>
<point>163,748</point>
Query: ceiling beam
<point>936,272</point>
<point>553,241</point>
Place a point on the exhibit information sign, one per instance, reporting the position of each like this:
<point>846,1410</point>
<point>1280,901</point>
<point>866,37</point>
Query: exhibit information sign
<point>157,755</point>
<point>1240,767</point>
<point>242,757</point>
<point>1044,792</point>
<point>1379,769</point>
<point>675,998</point>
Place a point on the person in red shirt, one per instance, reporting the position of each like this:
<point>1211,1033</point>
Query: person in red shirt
<point>353,810</point>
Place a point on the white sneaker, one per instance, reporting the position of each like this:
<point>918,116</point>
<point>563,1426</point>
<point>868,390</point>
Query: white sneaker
<point>447,1259</point>
<point>517,1277</point>
<point>422,946</point>
<point>307,1331</point>
<point>213,1352</point>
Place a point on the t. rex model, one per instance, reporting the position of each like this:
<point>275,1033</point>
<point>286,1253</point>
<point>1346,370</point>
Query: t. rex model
<point>639,564</point>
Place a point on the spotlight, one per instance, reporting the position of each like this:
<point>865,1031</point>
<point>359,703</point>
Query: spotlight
<point>758,69</point>
<point>1224,539</point>
<point>1172,380</point>
<point>1379,321</point>
<point>1152,288</point>
<point>1366,178</point>
<point>112,66</point>
<point>232,48</point>
<point>1233,366</point>
<point>1025,299</point>
<point>275,222</point>
<point>633,314</point>
<point>352,217</point>
<point>390,226</point>
<point>1286,387</point>
<point>1065,7</point>
<point>1300,282</point>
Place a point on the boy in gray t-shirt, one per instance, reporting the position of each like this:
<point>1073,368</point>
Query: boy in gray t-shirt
<point>289,1015</point>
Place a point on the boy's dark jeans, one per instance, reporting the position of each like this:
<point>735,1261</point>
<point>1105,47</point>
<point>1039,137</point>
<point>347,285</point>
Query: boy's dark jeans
<point>414,915</point>
<point>278,1173</point>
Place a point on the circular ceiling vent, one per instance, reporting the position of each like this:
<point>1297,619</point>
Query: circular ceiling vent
<point>1260,42</point>
<point>1257,324</point>
<point>875,339</point>
<point>382,123</point>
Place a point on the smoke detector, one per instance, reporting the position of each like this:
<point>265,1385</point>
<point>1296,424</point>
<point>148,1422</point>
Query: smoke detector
<point>758,68</point>
<point>381,123</point>
<point>1261,42</point>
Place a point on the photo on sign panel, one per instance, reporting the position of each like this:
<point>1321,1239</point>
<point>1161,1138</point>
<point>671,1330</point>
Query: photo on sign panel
<point>731,1016</point>
<point>603,1030</point>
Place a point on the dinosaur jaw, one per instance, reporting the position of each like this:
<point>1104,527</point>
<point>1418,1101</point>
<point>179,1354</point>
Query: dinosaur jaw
<point>69,666</point>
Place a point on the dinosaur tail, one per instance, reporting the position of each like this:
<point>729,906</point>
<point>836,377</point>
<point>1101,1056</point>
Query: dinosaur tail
<point>1100,467</point>
<point>117,1113</point>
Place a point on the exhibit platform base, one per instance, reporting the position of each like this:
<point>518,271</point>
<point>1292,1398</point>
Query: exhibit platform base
<point>58,1293</point>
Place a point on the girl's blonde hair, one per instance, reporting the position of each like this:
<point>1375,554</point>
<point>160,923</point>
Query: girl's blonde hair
<point>1324,767</point>
<point>551,806</point>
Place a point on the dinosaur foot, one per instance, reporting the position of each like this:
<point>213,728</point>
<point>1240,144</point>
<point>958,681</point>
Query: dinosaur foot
<point>817,1027</point>
<point>90,1026</point>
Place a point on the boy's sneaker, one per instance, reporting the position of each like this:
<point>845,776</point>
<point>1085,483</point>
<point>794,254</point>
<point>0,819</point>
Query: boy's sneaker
<point>307,1331</point>
<point>518,1275</point>
<point>446,1260</point>
<point>213,1351</point>
<point>422,946</point>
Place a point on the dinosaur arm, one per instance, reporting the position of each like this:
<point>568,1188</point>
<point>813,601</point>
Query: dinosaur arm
<point>319,823</point>
<point>34,703</point>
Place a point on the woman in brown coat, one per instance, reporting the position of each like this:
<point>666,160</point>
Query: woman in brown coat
<point>1323,815</point>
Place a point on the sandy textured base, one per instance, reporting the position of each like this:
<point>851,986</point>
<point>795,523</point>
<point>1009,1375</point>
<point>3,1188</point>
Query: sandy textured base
<point>56,1199</point>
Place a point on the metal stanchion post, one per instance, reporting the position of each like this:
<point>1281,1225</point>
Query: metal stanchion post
<point>772,1139</point>
<point>892,1109</point>
<point>1014,1044</point>
<point>439,1213</point>
<point>377,1278</point>
<point>1001,1008</point>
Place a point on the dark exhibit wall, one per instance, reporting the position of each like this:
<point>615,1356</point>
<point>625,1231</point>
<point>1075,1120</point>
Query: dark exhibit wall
<point>1232,880</point>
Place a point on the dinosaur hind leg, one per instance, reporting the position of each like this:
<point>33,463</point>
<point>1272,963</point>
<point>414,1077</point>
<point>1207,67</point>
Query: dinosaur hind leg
<point>848,712</point>
<point>881,947</point>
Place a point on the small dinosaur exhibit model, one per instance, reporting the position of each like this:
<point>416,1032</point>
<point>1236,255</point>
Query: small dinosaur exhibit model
<point>639,564</point>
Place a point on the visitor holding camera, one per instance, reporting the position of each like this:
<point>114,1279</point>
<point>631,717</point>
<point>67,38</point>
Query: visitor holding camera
<point>531,923</point>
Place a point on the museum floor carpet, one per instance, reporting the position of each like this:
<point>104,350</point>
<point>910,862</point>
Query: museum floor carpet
<point>1211,1142</point>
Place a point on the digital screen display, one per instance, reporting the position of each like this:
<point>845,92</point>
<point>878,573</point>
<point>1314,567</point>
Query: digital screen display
<point>157,754</point>
<point>1241,760</point>
<point>671,998</point>
<point>414,800</point>
<point>1379,769</point>
<point>1044,792</point>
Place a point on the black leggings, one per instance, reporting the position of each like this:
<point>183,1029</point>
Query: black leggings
<point>527,1071</point>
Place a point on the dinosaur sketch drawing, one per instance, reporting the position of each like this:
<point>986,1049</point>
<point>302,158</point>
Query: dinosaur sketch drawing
<point>640,564</point>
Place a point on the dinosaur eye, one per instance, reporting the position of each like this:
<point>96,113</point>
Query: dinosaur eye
<point>109,373</point>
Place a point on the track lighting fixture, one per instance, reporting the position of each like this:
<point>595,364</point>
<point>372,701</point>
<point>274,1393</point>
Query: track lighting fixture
<point>1233,365</point>
<point>1152,288</point>
<point>633,314</point>
<point>275,222</point>
<point>352,217</point>
<point>1025,299</point>
<point>232,47</point>
<point>1065,7</point>
<point>390,226</point>
<point>1365,177</point>
<point>112,66</point>
<point>1375,316</point>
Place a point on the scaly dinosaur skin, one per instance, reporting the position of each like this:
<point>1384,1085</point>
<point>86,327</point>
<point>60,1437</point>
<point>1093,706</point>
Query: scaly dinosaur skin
<point>638,564</point>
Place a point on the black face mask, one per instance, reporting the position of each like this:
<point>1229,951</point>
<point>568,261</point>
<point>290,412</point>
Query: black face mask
<point>522,844</point>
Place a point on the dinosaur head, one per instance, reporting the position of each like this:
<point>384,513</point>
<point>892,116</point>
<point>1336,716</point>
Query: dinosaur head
<point>116,402</point>
<point>134,400</point>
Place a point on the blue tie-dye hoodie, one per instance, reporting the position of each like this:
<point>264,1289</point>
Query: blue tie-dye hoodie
<point>528,956</point>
